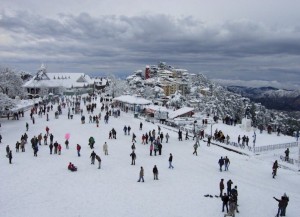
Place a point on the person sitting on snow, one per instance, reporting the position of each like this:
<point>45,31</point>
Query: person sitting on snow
<point>72,167</point>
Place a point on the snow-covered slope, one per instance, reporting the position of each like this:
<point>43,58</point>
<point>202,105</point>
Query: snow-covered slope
<point>42,186</point>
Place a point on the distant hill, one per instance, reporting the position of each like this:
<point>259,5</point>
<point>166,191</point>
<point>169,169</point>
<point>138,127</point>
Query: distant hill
<point>270,97</point>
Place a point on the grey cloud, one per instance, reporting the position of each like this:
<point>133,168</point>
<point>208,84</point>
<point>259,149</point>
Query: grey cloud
<point>236,49</point>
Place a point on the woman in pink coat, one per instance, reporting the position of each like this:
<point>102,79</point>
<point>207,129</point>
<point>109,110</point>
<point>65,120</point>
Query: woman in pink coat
<point>151,149</point>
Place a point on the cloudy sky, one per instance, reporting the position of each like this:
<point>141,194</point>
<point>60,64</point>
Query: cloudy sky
<point>241,41</point>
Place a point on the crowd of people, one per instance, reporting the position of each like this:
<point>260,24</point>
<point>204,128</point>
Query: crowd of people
<point>154,138</point>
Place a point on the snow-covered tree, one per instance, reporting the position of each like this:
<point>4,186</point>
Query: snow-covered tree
<point>6,103</point>
<point>11,83</point>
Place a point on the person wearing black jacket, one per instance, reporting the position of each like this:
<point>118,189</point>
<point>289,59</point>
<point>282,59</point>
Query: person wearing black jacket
<point>133,157</point>
<point>93,156</point>
<point>225,200</point>
<point>155,172</point>
<point>280,206</point>
<point>170,161</point>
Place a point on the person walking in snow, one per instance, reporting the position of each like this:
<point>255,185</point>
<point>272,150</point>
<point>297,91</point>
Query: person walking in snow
<point>170,161</point>
<point>133,147</point>
<point>195,149</point>
<point>78,148</point>
<point>35,150</point>
<point>105,148</point>
<point>133,157</point>
<point>93,156</point>
<point>221,185</point>
<point>133,137</point>
<point>99,161</point>
<point>227,162</point>
<point>141,175</point>
<point>27,126</point>
<point>125,130</point>
<point>155,172</point>
<point>186,135</point>
<point>221,163</point>
<point>128,129</point>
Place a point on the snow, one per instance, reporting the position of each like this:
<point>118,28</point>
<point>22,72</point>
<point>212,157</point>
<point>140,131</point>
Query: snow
<point>180,111</point>
<point>42,186</point>
<point>132,100</point>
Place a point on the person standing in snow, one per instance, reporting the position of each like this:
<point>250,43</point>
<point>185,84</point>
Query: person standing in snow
<point>234,196</point>
<point>67,144</point>
<point>141,175</point>
<point>133,147</point>
<point>27,126</point>
<point>225,200</point>
<point>151,148</point>
<point>78,148</point>
<point>51,148</point>
<point>105,148</point>
<point>275,167</point>
<point>7,150</point>
<point>285,200</point>
<point>10,156</point>
<point>59,149</point>
<point>170,161</point>
<point>141,125</point>
<point>128,129</point>
<point>155,172</point>
<point>99,161</point>
<point>133,157</point>
<point>280,206</point>
<point>287,153</point>
<point>167,137</point>
<point>229,183</point>
<point>93,156</point>
<point>221,185</point>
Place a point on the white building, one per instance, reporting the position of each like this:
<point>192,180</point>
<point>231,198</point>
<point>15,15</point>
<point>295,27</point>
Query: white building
<point>44,83</point>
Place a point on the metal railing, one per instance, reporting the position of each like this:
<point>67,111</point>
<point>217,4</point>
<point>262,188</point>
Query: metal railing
<point>274,147</point>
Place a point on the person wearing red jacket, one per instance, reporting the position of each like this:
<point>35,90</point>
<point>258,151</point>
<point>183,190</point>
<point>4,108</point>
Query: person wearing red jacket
<point>78,149</point>
<point>47,130</point>
<point>59,149</point>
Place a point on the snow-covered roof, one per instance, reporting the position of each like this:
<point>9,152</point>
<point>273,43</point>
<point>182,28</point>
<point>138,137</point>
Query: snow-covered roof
<point>180,111</point>
<point>158,108</point>
<point>66,80</point>
<point>132,100</point>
